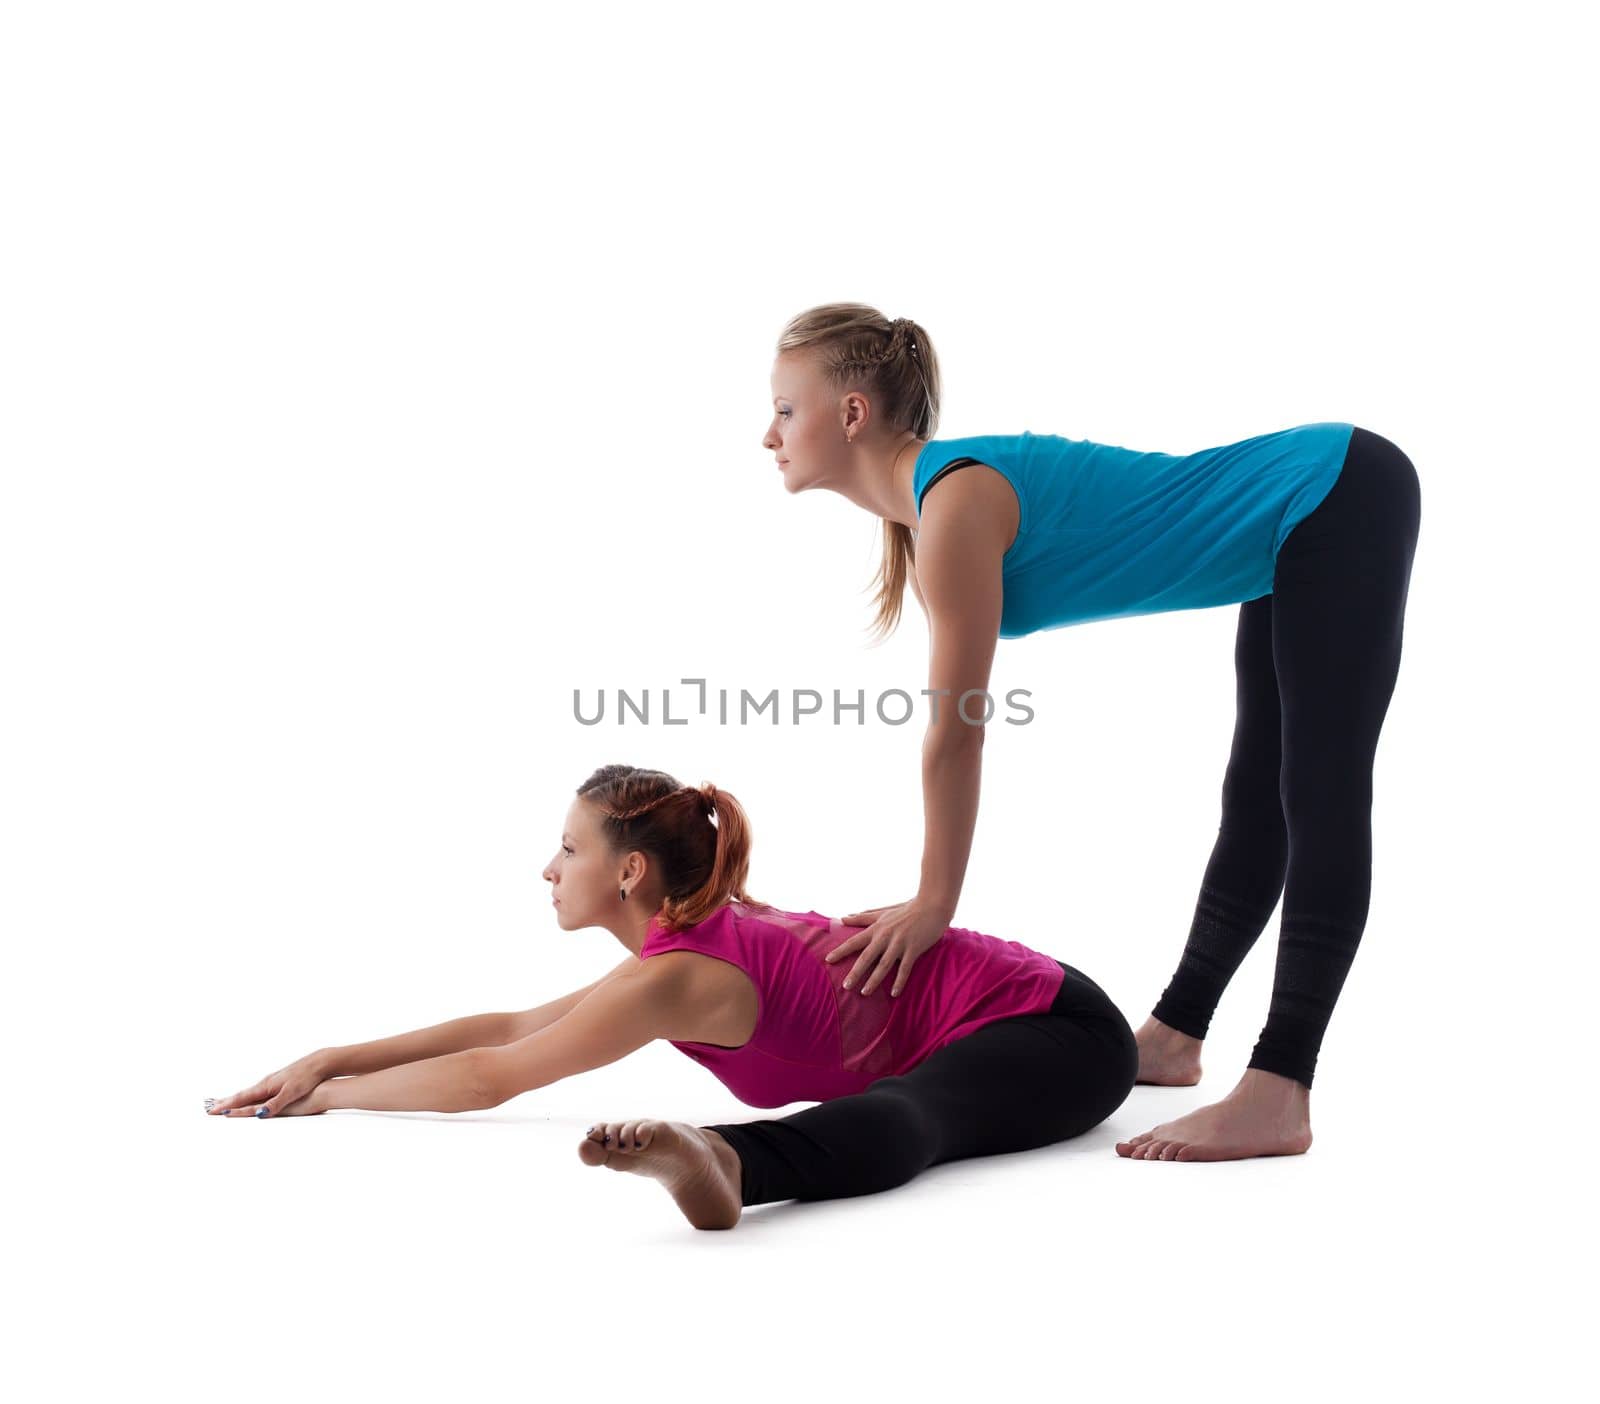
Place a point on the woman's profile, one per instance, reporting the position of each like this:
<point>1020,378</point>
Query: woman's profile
<point>1310,530</point>
<point>993,1047</point>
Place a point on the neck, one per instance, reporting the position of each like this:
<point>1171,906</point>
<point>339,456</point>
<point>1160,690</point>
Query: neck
<point>881,478</point>
<point>630,927</point>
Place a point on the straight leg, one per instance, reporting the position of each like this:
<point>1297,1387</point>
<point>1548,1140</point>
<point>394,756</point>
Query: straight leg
<point>1245,875</point>
<point>1338,610</point>
<point>1338,621</point>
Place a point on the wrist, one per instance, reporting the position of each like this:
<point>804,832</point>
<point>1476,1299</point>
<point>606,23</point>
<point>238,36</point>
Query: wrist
<point>942,904</point>
<point>326,1062</point>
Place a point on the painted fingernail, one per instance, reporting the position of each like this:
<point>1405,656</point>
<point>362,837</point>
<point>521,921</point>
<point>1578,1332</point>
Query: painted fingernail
<point>261,1111</point>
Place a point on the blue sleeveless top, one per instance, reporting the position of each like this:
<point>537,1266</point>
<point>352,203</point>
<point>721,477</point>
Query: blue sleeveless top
<point>1107,531</point>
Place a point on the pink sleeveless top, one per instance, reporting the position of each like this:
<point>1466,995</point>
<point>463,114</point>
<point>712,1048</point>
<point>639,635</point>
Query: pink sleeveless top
<point>815,1040</point>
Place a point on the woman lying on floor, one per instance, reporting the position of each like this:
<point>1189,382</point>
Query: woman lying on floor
<point>984,1046</point>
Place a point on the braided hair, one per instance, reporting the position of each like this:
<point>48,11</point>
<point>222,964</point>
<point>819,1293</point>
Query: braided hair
<point>855,347</point>
<point>697,836</point>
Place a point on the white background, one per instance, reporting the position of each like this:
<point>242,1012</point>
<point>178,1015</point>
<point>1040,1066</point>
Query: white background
<point>375,375</point>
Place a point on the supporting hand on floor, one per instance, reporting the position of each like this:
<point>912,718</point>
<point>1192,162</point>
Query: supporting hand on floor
<point>283,1093</point>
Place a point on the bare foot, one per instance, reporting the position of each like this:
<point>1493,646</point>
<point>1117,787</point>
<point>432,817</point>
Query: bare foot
<point>699,1169</point>
<point>1264,1115</point>
<point>1167,1057</point>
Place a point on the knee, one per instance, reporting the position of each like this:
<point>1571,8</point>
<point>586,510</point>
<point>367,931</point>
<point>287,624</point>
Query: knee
<point>1112,1080</point>
<point>1335,796</point>
<point>1250,798</point>
<point>905,1136</point>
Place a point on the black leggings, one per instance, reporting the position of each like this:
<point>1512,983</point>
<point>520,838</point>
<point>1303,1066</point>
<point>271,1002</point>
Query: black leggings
<point>1316,662</point>
<point>1017,1083</point>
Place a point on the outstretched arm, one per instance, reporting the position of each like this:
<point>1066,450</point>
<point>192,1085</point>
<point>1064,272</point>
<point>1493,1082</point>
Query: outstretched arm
<point>456,1035</point>
<point>453,1082</point>
<point>618,1015</point>
<point>652,1001</point>
<point>452,1036</point>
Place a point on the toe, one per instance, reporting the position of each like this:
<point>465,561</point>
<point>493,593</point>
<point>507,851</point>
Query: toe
<point>1170,1149</point>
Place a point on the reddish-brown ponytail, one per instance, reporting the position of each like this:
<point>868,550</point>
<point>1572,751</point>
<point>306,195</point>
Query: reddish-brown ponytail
<point>699,837</point>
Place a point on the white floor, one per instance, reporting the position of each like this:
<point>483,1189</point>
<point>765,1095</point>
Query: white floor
<point>376,376</point>
<point>1420,1247</point>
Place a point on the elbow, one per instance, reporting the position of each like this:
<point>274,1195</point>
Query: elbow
<point>487,1081</point>
<point>951,735</point>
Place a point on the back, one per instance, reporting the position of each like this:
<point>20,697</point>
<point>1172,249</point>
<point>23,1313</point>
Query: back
<point>1107,531</point>
<point>815,1040</point>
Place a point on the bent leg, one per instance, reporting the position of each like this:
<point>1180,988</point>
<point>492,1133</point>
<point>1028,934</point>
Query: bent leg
<point>1014,1084</point>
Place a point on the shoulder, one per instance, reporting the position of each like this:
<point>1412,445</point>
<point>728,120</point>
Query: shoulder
<point>964,480</point>
<point>670,970</point>
<point>682,974</point>
<point>688,993</point>
<point>970,517</point>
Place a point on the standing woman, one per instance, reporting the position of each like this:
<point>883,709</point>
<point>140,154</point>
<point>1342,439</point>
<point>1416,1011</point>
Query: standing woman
<point>1310,530</point>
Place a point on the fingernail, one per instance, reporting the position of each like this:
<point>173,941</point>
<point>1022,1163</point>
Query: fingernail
<point>261,1111</point>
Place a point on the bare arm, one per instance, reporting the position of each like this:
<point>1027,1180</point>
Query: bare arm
<point>961,543</point>
<point>457,1035</point>
<point>616,1017</point>
<point>453,1082</point>
<point>951,779</point>
<point>532,1020</point>
<point>473,1031</point>
<point>657,1000</point>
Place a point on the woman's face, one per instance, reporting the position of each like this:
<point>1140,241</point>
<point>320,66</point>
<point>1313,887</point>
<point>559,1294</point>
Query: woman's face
<point>584,875</point>
<point>805,435</point>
